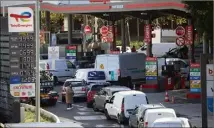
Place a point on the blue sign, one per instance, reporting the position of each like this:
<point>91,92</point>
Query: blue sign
<point>15,79</point>
<point>112,75</point>
<point>151,78</point>
<point>195,78</point>
<point>210,103</point>
<point>195,89</point>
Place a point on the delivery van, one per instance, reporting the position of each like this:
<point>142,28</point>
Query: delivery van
<point>125,69</point>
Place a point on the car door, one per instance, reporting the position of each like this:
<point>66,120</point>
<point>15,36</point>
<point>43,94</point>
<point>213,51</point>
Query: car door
<point>134,117</point>
<point>97,98</point>
<point>71,68</point>
<point>110,107</point>
<point>102,99</point>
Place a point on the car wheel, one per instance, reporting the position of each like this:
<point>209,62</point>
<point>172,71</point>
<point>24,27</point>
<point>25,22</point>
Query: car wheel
<point>119,120</point>
<point>107,115</point>
<point>94,107</point>
<point>63,99</point>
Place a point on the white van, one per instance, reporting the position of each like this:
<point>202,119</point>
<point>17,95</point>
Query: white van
<point>91,75</point>
<point>171,122</point>
<point>122,103</point>
<point>61,69</point>
<point>152,114</point>
<point>125,68</point>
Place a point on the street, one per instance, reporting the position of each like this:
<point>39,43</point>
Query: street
<point>81,114</point>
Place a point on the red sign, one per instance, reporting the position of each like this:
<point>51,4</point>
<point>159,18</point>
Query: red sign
<point>194,65</point>
<point>180,31</point>
<point>104,30</point>
<point>189,35</point>
<point>147,33</point>
<point>71,47</point>
<point>180,41</point>
<point>87,29</point>
<point>151,58</point>
<point>104,39</point>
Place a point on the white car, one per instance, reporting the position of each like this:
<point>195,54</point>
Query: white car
<point>61,69</point>
<point>170,122</point>
<point>122,103</point>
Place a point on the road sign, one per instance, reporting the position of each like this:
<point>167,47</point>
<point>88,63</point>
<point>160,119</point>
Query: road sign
<point>147,33</point>
<point>189,35</point>
<point>180,31</point>
<point>20,19</point>
<point>71,52</point>
<point>180,41</point>
<point>104,30</point>
<point>87,29</point>
<point>110,37</point>
<point>195,78</point>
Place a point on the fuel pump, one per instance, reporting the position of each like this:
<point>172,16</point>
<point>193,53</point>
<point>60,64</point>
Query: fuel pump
<point>168,72</point>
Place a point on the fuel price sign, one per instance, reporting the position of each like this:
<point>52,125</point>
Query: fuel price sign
<point>22,63</point>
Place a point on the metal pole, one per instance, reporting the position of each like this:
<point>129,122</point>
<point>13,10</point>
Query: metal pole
<point>3,9</point>
<point>37,19</point>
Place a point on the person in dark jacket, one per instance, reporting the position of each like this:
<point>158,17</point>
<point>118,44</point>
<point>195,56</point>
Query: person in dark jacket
<point>133,49</point>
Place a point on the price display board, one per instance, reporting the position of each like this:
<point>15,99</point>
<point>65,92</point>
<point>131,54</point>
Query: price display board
<point>195,78</point>
<point>151,68</point>
<point>22,63</point>
<point>71,52</point>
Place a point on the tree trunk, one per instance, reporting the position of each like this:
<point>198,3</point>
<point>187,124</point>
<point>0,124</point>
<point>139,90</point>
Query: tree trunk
<point>128,33</point>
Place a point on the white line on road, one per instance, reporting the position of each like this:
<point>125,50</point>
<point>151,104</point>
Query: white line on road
<point>112,125</point>
<point>89,117</point>
<point>89,113</point>
<point>76,105</point>
<point>85,109</point>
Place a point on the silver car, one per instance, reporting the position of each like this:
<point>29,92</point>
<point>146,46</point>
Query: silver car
<point>79,87</point>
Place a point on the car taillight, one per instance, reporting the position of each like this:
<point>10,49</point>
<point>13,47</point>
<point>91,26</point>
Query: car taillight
<point>118,72</point>
<point>83,89</point>
<point>122,108</point>
<point>146,124</point>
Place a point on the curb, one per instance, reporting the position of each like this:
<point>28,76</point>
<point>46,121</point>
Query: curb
<point>42,111</point>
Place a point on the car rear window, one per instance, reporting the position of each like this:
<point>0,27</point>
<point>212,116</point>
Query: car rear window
<point>73,83</point>
<point>99,87</point>
<point>96,75</point>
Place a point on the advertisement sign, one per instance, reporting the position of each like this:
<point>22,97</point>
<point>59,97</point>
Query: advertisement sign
<point>210,88</point>
<point>151,68</point>
<point>195,78</point>
<point>22,90</point>
<point>147,33</point>
<point>180,31</point>
<point>71,52</point>
<point>22,63</point>
<point>53,52</point>
<point>189,35</point>
<point>20,19</point>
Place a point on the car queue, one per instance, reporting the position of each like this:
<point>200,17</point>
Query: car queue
<point>108,88</point>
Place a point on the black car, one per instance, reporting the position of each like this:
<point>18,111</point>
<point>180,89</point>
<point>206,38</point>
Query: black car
<point>104,94</point>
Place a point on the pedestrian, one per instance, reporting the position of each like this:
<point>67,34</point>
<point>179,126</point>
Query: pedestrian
<point>133,49</point>
<point>69,97</point>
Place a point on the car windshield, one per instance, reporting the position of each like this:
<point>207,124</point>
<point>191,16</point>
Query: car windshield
<point>73,83</point>
<point>97,87</point>
<point>96,75</point>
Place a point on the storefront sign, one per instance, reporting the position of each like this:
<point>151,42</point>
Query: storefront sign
<point>53,52</point>
<point>147,33</point>
<point>22,90</point>
<point>189,35</point>
<point>151,68</point>
<point>20,19</point>
<point>195,78</point>
<point>71,52</point>
<point>210,88</point>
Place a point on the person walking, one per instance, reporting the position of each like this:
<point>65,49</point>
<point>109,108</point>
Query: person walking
<point>69,97</point>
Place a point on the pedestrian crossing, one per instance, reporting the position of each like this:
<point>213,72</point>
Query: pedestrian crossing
<point>84,114</point>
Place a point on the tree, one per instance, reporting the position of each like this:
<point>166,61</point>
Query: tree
<point>202,13</point>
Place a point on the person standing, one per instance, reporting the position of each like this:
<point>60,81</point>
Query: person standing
<point>69,97</point>
<point>133,49</point>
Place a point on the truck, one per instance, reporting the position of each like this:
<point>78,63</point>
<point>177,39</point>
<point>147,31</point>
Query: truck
<point>125,69</point>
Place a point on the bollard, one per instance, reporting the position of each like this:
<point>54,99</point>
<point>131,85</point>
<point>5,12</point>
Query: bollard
<point>22,114</point>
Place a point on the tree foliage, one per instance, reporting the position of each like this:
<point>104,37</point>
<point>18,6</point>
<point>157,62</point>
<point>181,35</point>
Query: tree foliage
<point>202,13</point>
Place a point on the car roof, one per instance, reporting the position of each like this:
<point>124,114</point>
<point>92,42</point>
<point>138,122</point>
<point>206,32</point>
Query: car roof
<point>99,83</point>
<point>74,79</point>
<point>116,88</point>
<point>131,92</point>
<point>122,54</point>
<point>147,106</point>
<point>159,110</point>
<point>171,120</point>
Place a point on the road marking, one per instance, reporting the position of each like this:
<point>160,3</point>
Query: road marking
<point>79,106</point>
<point>89,117</point>
<point>85,109</point>
<point>109,125</point>
<point>89,113</point>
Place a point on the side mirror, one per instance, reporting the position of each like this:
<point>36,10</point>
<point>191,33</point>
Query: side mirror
<point>141,119</point>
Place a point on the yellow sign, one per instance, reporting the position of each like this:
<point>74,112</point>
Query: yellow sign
<point>101,66</point>
<point>195,85</point>
<point>151,74</point>
<point>16,94</point>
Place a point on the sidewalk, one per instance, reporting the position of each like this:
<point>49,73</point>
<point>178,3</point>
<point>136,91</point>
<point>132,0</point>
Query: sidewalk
<point>182,106</point>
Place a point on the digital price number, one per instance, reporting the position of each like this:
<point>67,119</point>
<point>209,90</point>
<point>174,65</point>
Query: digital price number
<point>24,51</point>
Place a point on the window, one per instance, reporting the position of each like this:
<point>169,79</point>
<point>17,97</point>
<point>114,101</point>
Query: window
<point>135,111</point>
<point>61,65</point>
<point>112,99</point>
<point>96,75</point>
<point>70,65</point>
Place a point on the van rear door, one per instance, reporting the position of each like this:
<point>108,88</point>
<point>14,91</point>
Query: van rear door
<point>113,68</point>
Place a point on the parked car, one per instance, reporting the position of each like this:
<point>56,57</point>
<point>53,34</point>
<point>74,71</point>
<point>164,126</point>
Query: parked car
<point>61,69</point>
<point>105,94</point>
<point>91,75</point>
<point>139,112</point>
<point>171,122</point>
<point>79,87</point>
<point>93,88</point>
<point>121,104</point>
<point>152,114</point>
<point>126,68</point>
